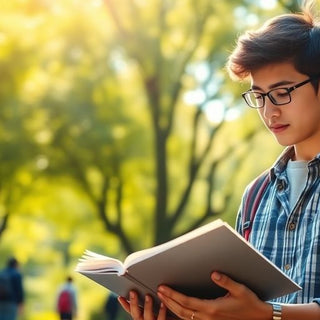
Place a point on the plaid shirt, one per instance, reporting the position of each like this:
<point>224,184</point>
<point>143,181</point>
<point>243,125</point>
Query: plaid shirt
<point>290,238</point>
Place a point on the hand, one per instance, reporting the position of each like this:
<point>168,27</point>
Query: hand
<point>238,304</point>
<point>138,313</point>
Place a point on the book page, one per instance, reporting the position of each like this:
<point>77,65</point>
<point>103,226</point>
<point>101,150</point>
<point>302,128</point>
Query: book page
<point>98,263</point>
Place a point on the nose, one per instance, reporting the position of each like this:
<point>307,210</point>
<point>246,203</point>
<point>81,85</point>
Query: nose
<point>269,110</point>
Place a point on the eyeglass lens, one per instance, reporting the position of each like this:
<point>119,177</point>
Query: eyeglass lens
<point>277,96</point>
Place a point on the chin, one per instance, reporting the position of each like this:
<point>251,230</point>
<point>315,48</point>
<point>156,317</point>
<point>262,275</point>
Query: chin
<point>284,142</point>
<point>285,139</point>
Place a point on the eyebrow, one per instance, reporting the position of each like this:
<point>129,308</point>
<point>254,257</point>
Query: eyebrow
<point>274,85</point>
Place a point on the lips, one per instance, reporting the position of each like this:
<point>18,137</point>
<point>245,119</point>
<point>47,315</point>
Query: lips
<point>277,128</point>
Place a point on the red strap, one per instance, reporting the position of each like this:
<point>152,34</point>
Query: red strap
<point>252,202</point>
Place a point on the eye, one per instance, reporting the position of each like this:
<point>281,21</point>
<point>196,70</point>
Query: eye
<point>280,93</point>
<point>257,95</point>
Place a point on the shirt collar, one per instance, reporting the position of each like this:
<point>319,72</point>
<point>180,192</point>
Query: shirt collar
<point>281,163</point>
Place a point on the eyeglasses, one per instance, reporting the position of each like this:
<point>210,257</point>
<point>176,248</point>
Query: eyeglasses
<point>278,96</point>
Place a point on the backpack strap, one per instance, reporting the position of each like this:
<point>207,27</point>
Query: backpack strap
<point>253,199</point>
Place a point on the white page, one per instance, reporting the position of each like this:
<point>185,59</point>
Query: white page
<point>95,262</point>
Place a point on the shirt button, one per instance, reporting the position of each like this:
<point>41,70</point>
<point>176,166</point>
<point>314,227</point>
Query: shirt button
<point>287,267</point>
<point>292,226</point>
<point>281,185</point>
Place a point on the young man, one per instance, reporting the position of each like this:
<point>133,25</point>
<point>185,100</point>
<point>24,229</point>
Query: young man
<point>282,61</point>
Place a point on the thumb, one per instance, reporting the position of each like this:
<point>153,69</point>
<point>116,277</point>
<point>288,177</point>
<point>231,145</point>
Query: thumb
<point>234,288</point>
<point>225,282</point>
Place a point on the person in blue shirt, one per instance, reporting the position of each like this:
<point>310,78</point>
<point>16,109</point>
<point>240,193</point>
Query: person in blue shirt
<point>281,60</point>
<point>11,305</point>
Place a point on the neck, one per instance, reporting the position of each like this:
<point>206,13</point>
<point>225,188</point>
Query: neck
<point>305,154</point>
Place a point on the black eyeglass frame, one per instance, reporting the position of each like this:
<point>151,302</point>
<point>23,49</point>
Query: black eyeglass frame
<point>268,94</point>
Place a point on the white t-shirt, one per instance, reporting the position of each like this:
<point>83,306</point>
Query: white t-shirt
<point>297,172</point>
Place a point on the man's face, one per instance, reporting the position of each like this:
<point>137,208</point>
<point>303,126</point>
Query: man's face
<point>296,123</point>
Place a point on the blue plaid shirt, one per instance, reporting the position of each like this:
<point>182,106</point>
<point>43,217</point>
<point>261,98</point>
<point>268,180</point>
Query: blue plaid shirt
<point>290,238</point>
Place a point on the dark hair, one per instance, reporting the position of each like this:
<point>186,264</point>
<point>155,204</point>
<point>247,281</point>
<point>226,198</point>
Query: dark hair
<point>289,37</point>
<point>12,262</point>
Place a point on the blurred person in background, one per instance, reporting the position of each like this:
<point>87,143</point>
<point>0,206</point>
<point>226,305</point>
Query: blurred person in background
<point>67,300</point>
<point>11,291</point>
<point>111,306</point>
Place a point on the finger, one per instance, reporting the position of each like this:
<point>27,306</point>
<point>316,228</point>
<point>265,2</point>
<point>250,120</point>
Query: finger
<point>178,303</point>
<point>233,287</point>
<point>124,304</point>
<point>162,312</point>
<point>135,309</point>
<point>180,298</point>
<point>148,308</point>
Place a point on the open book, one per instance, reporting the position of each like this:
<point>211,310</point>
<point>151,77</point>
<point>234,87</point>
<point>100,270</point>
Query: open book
<point>186,264</point>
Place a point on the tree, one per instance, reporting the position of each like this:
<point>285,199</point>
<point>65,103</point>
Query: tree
<point>162,74</point>
<point>17,143</point>
<point>162,67</point>
<point>113,118</point>
<point>290,5</point>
